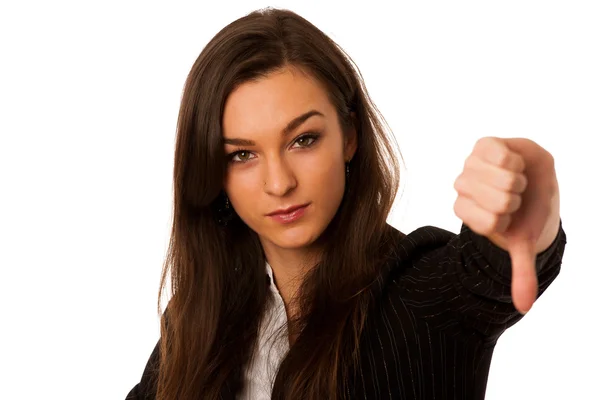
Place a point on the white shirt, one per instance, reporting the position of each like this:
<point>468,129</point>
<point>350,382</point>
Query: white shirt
<point>259,375</point>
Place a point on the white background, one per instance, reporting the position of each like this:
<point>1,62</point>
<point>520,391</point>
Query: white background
<point>89,95</point>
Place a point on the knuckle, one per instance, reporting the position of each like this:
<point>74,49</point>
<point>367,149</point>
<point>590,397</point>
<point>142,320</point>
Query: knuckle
<point>521,183</point>
<point>459,208</point>
<point>515,182</point>
<point>492,223</point>
<point>459,183</point>
<point>504,203</point>
<point>512,181</point>
<point>504,157</point>
<point>456,207</point>
<point>509,203</point>
<point>481,142</point>
<point>487,139</point>
<point>517,201</point>
<point>524,182</point>
<point>471,163</point>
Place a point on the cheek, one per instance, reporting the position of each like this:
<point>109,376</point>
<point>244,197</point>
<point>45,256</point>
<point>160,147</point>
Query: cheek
<point>242,189</point>
<point>324,178</point>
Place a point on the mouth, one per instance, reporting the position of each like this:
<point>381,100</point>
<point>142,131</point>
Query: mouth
<point>289,214</point>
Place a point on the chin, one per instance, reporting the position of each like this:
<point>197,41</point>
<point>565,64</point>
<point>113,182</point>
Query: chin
<point>295,237</point>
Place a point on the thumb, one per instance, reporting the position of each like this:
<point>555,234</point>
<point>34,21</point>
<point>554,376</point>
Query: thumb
<point>524,275</point>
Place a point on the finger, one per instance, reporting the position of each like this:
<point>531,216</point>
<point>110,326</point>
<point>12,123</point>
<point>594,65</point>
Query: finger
<point>524,288</point>
<point>488,197</point>
<point>496,152</point>
<point>478,219</point>
<point>503,179</point>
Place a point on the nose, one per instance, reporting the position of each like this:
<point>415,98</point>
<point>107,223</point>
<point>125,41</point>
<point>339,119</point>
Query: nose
<point>278,178</point>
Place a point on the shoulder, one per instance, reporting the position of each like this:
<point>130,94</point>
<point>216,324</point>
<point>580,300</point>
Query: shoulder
<point>421,240</point>
<point>407,248</point>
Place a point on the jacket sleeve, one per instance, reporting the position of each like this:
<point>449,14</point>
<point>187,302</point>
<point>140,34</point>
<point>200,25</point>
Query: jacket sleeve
<point>457,282</point>
<point>146,388</point>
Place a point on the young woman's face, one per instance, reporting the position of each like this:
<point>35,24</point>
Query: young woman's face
<point>286,158</point>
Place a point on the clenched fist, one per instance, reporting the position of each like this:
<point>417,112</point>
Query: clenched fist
<point>508,192</point>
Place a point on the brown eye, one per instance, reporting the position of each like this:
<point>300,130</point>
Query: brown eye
<point>306,140</point>
<point>303,141</point>
<point>241,156</point>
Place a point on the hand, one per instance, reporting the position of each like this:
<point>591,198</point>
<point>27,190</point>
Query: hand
<point>508,192</point>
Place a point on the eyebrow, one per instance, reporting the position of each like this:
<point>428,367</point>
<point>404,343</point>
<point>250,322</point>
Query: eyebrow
<point>291,126</point>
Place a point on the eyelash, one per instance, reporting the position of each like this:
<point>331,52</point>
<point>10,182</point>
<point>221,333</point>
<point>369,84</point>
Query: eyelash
<point>313,136</point>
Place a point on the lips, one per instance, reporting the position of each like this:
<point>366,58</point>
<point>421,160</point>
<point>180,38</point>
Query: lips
<point>285,211</point>
<point>289,215</point>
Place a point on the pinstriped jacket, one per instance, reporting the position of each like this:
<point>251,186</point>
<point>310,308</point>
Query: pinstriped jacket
<point>441,307</point>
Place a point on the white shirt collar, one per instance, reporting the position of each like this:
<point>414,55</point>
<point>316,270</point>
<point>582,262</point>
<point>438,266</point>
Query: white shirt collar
<point>260,373</point>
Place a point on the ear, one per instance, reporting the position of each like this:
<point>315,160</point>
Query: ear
<point>350,140</point>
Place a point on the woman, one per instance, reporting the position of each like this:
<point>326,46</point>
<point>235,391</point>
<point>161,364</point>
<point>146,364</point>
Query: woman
<point>287,282</point>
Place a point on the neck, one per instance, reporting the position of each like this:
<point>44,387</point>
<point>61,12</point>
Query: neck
<point>290,266</point>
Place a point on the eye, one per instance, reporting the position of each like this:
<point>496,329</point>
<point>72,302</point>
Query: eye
<point>240,156</point>
<point>306,140</point>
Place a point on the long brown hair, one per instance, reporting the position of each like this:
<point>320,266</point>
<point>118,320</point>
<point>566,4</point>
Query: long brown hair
<point>217,271</point>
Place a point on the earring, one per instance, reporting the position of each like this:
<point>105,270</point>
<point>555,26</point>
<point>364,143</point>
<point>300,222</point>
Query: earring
<point>224,212</point>
<point>347,170</point>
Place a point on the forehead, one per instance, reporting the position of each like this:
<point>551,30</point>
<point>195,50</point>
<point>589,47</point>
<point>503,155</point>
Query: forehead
<point>267,105</point>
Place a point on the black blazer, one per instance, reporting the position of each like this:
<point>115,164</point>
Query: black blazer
<point>442,305</point>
